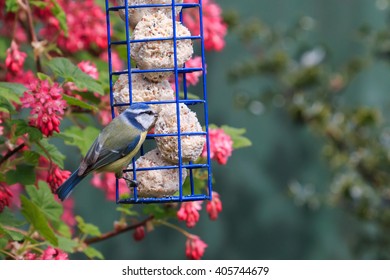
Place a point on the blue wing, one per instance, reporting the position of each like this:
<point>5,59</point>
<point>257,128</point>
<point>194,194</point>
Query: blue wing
<point>108,156</point>
<point>113,143</point>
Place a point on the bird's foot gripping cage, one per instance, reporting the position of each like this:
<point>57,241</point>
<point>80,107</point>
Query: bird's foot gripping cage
<point>157,46</point>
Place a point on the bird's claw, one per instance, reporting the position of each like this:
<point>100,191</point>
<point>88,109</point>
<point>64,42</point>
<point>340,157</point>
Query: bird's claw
<point>132,183</point>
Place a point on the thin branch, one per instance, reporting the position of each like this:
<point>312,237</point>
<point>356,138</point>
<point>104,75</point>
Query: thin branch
<point>116,232</point>
<point>184,232</point>
<point>15,229</point>
<point>11,153</point>
<point>25,5</point>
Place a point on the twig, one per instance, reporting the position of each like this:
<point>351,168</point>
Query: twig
<point>116,232</point>
<point>11,153</point>
<point>25,5</point>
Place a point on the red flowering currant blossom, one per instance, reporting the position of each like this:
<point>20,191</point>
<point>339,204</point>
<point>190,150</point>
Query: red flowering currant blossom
<point>53,254</point>
<point>139,233</point>
<point>30,256</point>
<point>106,182</point>
<point>68,214</point>
<point>89,68</point>
<point>189,212</point>
<point>193,77</point>
<point>116,61</point>
<point>47,105</point>
<point>86,26</point>
<point>17,32</point>
<point>15,59</point>
<point>22,77</point>
<point>104,113</point>
<point>221,146</point>
<point>214,207</point>
<point>5,198</point>
<point>195,247</point>
<point>56,177</point>
<point>214,28</point>
<point>3,116</point>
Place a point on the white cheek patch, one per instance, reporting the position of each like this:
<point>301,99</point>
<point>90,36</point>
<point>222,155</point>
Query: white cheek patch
<point>145,120</point>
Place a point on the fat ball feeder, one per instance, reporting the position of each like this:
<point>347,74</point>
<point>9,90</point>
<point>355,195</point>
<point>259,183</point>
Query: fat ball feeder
<point>159,44</point>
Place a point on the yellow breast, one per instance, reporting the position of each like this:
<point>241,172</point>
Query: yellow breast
<point>119,165</point>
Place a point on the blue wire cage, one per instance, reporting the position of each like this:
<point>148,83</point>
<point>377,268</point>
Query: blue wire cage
<point>188,191</point>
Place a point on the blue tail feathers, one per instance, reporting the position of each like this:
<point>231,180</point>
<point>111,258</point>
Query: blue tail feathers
<point>66,188</point>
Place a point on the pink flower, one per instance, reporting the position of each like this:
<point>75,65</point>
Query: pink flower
<point>139,233</point>
<point>193,77</point>
<point>68,214</point>
<point>17,32</point>
<point>54,254</point>
<point>221,146</point>
<point>214,29</point>
<point>21,77</point>
<point>5,198</point>
<point>16,190</point>
<point>15,59</point>
<point>214,207</point>
<point>30,256</point>
<point>116,62</point>
<point>195,247</point>
<point>104,112</point>
<point>189,212</point>
<point>89,68</point>
<point>3,116</point>
<point>106,182</point>
<point>56,177</point>
<point>86,26</point>
<point>47,105</point>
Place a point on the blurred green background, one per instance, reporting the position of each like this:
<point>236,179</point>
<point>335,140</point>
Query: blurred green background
<point>260,220</point>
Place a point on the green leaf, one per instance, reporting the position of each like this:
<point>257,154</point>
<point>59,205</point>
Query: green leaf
<point>22,127</point>
<point>12,91</point>
<point>92,253</point>
<point>31,157</point>
<point>89,96</point>
<point>39,4</point>
<point>3,243</point>
<point>66,244</point>
<point>87,228</point>
<point>38,220</point>
<point>64,68</point>
<point>12,234</point>
<point>189,96</point>
<point>239,141</point>
<point>127,210</point>
<point>159,211</point>
<point>6,106</point>
<point>77,102</point>
<point>24,174</point>
<point>56,156</point>
<point>8,218</point>
<point>59,13</point>
<point>44,77</point>
<point>81,138</point>
<point>63,229</point>
<point>11,6</point>
<point>15,88</point>
<point>43,197</point>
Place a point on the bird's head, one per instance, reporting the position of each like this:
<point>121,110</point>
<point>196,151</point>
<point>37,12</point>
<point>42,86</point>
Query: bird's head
<point>141,116</point>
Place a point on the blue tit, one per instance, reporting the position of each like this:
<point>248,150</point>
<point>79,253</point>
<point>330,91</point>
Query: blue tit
<point>115,146</point>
